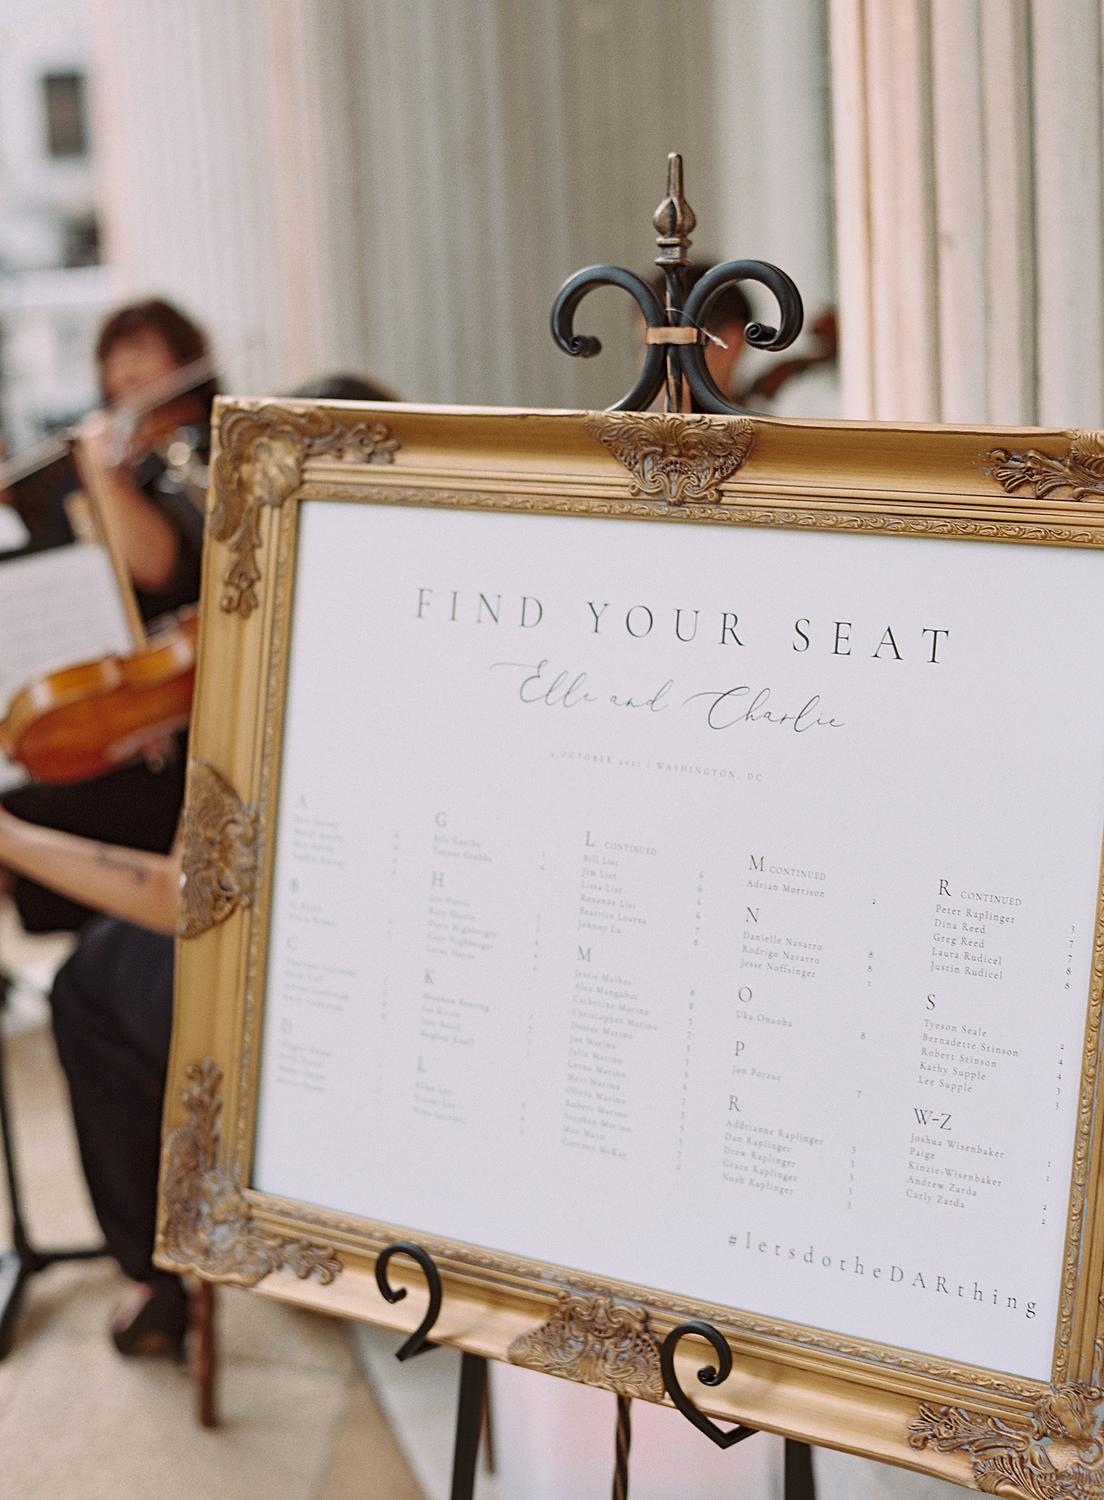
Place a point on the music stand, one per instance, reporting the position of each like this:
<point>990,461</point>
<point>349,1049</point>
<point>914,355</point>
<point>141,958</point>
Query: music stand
<point>23,1260</point>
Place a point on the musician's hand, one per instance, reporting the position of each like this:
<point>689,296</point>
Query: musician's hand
<point>148,539</point>
<point>98,435</point>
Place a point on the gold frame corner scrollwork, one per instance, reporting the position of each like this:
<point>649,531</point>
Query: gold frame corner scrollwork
<point>207,1227</point>
<point>675,458</point>
<point>1057,1454</point>
<point>1078,474</point>
<point>596,1341</point>
<point>259,462</point>
<point>219,852</point>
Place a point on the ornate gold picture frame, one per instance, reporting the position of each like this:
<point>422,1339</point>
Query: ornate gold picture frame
<point>698,480</point>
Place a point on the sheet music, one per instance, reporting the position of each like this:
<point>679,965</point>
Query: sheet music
<point>57,608</point>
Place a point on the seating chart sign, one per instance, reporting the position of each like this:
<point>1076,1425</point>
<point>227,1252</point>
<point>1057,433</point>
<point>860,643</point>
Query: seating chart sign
<point>692,902</point>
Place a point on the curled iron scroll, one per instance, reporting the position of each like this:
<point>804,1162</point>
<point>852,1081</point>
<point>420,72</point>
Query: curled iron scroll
<point>686,360</point>
<point>708,1375</point>
<point>583,346</point>
<point>705,391</point>
<point>417,1343</point>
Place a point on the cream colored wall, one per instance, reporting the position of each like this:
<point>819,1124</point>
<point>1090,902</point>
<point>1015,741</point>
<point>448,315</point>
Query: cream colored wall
<point>398,186</point>
<point>225,175</point>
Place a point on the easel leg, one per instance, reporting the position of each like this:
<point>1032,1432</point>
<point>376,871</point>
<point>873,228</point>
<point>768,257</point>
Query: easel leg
<point>206,1354</point>
<point>14,1270</point>
<point>623,1444</point>
<point>488,1428</point>
<point>799,1471</point>
<point>469,1423</point>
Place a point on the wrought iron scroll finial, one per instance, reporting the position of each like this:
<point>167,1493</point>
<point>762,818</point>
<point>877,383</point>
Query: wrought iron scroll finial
<point>673,351</point>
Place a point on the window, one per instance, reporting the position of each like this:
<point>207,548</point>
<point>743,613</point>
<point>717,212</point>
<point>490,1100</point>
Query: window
<point>66,123</point>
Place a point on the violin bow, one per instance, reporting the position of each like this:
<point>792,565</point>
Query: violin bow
<point>155,394</point>
<point>94,482</point>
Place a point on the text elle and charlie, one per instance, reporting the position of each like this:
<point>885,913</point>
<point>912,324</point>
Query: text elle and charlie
<point>833,637</point>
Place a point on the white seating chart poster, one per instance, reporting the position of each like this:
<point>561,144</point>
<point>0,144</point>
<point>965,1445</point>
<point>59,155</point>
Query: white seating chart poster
<point>707,907</point>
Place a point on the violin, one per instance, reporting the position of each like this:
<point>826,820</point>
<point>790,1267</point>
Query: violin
<point>88,719</point>
<point>83,721</point>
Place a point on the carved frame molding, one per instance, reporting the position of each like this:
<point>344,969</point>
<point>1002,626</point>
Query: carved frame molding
<point>596,1341</point>
<point>219,852</point>
<point>1078,475</point>
<point>1058,1454</point>
<point>731,513</point>
<point>259,462</point>
<point>207,1225</point>
<point>673,457</point>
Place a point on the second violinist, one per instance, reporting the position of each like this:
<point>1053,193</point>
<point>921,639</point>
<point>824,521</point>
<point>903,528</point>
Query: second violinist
<point>152,460</point>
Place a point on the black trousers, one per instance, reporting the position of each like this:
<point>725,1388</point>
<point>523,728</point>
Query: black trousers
<point>112,1013</point>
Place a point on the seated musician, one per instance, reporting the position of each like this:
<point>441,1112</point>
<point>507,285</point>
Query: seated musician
<point>112,1017</point>
<point>142,348</point>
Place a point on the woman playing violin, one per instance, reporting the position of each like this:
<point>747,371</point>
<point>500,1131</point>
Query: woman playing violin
<point>112,1017</point>
<point>112,1002</point>
<point>161,527</point>
<point>159,521</point>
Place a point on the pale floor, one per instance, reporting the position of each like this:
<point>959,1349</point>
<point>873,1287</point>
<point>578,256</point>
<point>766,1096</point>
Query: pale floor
<point>78,1422</point>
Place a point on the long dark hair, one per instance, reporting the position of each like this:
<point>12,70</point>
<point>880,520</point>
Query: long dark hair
<point>185,338</point>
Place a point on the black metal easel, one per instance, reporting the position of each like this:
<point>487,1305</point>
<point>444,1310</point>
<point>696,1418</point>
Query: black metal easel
<point>23,1260</point>
<point>674,362</point>
<point>471,1405</point>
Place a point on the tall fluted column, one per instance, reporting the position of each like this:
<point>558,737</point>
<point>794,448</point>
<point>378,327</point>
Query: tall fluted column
<point>774,168</point>
<point>969,162</point>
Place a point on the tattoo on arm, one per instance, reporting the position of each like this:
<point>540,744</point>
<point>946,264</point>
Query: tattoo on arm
<point>116,859</point>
